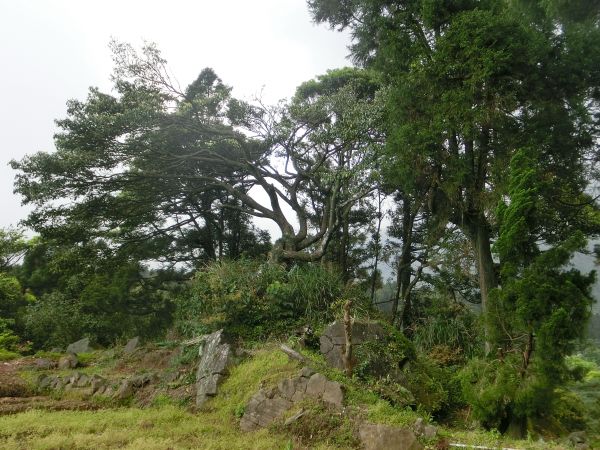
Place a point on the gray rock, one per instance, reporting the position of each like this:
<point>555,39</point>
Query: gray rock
<point>125,390</point>
<point>97,383</point>
<point>306,372</point>
<point>264,407</point>
<point>83,381</point>
<point>316,385</point>
<point>577,437</point>
<point>293,389</point>
<point>268,405</point>
<point>292,353</point>
<point>45,364</point>
<point>74,378</point>
<point>109,391</point>
<point>426,430</point>
<point>333,340</point>
<point>132,345</point>
<point>57,383</point>
<point>68,361</point>
<point>45,381</point>
<point>56,350</point>
<point>333,394</point>
<point>141,380</point>
<point>386,437</point>
<point>216,357</point>
<point>100,391</point>
<point>81,346</point>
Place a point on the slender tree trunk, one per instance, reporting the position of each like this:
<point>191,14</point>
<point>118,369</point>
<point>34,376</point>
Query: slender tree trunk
<point>405,260</point>
<point>344,248</point>
<point>377,245</point>
<point>348,338</point>
<point>485,268</point>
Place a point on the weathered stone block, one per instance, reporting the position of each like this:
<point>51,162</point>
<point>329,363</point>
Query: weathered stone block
<point>81,346</point>
<point>316,385</point>
<point>386,437</point>
<point>216,357</point>
<point>333,340</point>
<point>333,394</point>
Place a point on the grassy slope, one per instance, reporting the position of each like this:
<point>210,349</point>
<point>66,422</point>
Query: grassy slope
<point>159,427</point>
<point>166,425</point>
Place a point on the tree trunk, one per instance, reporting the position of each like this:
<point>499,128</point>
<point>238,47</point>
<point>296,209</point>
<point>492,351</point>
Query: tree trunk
<point>377,246</point>
<point>405,260</point>
<point>485,268</point>
<point>344,248</point>
<point>348,339</point>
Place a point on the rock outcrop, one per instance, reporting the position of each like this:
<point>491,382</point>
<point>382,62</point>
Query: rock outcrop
<point>267,405</point>
<point>216,356</point>
<point>387,437</point>
<point>333,340</point>
<point>81,346</point>
<point>95,385</point>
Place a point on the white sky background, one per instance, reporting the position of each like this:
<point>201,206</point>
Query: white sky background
<point>52,51</point>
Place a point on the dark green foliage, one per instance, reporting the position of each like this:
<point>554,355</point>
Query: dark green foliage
<point>85,291</point>
<point>535,318</point>
<point>430,385</point>
<point>381,357</point>
<point>440,320</point>
<point>253,299</point>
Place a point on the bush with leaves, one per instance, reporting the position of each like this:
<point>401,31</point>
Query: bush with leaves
<point>253,299</point>
<point>443,322</point>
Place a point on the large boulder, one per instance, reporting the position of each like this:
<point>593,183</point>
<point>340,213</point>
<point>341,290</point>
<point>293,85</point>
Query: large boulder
<point>333,340</point>
<point>268,405</point>
<point>216,356</point>
<point>81,346</point>
<point>264,407</point>
<point>387,437</point>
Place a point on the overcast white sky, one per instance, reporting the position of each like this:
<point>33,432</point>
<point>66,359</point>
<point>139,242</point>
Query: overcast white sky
<point>52,51</point>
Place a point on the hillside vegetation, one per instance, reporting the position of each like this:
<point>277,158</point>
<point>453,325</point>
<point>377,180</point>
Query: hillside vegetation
<point>427,205</point>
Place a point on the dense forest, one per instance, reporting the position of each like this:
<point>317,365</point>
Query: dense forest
<point>441,186</point>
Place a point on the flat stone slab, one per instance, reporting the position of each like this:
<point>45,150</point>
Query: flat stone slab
<point>216,356</point>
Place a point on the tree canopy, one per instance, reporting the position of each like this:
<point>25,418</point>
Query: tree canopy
<point>161,171</point>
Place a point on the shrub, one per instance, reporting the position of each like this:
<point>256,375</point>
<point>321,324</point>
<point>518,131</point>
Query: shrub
<point>383,356</point>
<point>253,299</point>
<point>8,339</point>
<point>56,320</point>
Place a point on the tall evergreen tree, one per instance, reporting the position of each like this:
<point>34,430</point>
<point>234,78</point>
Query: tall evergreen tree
<point>471,83</point>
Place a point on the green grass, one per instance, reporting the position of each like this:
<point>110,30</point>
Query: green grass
<point>7,355</point>
<point>164,426</point>
<point>169,424</point>
<point>129,428</point>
